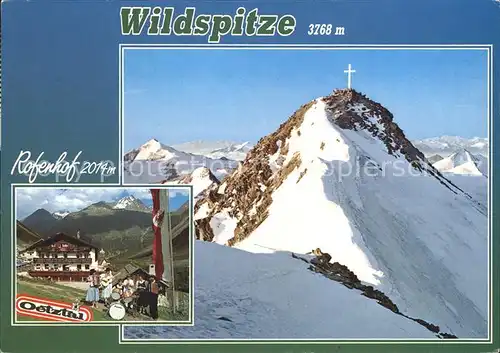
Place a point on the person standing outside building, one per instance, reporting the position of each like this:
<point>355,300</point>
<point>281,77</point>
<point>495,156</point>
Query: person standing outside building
<point>107,285</point>
<point>153,297</point>
<point>93,290</point>
<point>142,300</point>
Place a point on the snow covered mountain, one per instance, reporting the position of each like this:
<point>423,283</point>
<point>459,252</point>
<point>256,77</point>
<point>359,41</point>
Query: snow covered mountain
<point>236,152</point>
<point>130,203</point>
<point>218,149</point>
<point>60,214</point>
<point>446,145</point>
<point>434,147</point>
<point>203,147</point>
<point>340,175</point>
<point>201,179</point>
<point>463,162</point>
<point>154,162</point>
<point>468,171</point>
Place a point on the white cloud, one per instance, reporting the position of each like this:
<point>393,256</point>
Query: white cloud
<point>30,199</point>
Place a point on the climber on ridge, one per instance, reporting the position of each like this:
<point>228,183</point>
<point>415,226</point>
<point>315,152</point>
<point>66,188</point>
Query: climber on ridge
<point>321,257</point>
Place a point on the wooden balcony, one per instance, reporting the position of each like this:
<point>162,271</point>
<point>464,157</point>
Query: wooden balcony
<point>53,251</point>
<point>63,261</point>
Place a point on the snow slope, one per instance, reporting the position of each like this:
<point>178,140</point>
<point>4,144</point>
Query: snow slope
<point>475,185</point>
<point>352,192</point>
<point>154,162</point>
<point>463,162</point>
<point>275,296</point>
<point>201,179</point>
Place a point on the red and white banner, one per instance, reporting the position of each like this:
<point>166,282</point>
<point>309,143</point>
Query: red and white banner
<point>162,241</point>
<point>52,310</point>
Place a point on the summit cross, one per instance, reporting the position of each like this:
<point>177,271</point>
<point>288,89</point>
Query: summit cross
<point>349,72</point>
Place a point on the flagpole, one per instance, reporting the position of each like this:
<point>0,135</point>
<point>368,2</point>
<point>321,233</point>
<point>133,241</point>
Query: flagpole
<point>158,255</point>
<point>172,260</point>
<point>167,247</point>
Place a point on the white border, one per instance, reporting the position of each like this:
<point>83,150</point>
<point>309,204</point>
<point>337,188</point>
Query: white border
<point>487,47</point>
<point>15,322</point>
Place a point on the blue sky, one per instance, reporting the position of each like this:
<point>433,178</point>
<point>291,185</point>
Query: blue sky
<point>29,200</point>
<point>183,95</point>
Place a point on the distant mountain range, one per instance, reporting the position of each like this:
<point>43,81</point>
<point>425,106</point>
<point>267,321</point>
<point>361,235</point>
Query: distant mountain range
<point>154,162</point>
<point>443,146</point>
<point>121,228</point>
<point>177,163</point>
<point>447,145</point>
<point>205,147</point>
<point>219,149</point>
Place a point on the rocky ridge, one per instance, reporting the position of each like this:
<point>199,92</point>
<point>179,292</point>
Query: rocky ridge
<point>341,273</point>
<point>246,194</point>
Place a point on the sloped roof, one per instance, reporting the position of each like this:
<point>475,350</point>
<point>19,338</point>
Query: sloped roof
<point>129,270</point>
<point>26,234</point>
<point>126,271</point>
<point>60,236</point>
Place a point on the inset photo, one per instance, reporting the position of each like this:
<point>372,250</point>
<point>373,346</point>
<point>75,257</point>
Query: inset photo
<point>90,255</point>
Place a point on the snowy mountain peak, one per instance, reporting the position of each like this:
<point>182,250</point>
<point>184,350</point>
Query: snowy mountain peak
<point>333,132</point>
<point>201,179</point>
<point>130,203</point>
<point>152,144</point>
<point>60,214</point>
<point>154,150</point>
<point>463,156</point>
<point>124,202</point>
<point>203,173</point>
<point>154,162</point>
<point>340,175</point>
<point>354,111</point>
<point>463,162</point>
